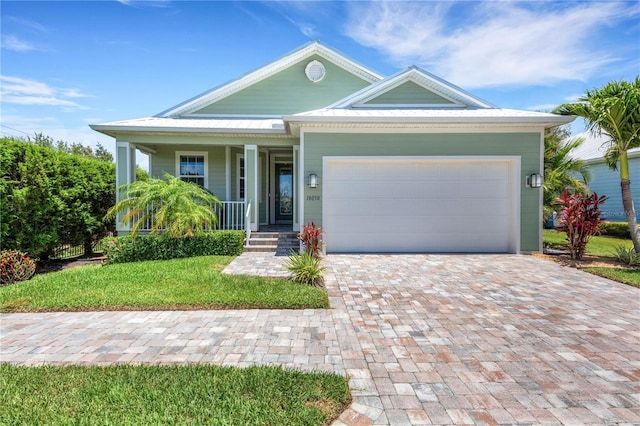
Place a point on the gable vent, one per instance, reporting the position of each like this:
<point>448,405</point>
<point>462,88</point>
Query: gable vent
<point>314,71</point>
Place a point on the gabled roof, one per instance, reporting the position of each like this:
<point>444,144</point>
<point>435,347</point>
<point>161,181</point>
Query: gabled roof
<point>593,147</point>
<point>458,97</point>
<point>234,86</point>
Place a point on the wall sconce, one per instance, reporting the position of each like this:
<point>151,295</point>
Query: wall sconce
<point>534,180</point>
<point>313,180</point>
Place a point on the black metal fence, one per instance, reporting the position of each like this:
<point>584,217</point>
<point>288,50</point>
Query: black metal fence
<point>70,252</point>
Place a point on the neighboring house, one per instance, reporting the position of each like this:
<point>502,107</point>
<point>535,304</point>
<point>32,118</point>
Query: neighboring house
<point>605,181</point>
<point>406,163</point>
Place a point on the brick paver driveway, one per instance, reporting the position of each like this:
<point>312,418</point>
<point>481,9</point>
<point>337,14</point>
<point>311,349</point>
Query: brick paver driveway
<point>494,339</point>
<point>425,339</point>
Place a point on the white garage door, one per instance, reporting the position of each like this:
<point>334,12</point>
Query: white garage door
<point>420,205</point>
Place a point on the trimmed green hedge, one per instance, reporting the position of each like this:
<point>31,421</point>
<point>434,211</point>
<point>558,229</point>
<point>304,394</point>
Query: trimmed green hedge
<point>616,229</point>
<point>164,247</point>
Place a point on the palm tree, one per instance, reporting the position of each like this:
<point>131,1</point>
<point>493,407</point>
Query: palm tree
<point>183,208</point>
<point>561,171</point>
<point>614,112</point>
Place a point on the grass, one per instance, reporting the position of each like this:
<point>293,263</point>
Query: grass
<point>169,395</point>
<point>627,276</point>
<point>192,283</point>
<point>598,245</point>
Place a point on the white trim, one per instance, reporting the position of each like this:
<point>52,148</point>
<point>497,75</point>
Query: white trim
<point>236,116</point>
<point>255,212</point>
<point>426,130</point>
<point>227,172</point>
<point>301,186</point>
<point>238,158</point>
<point>296,190</point>
<point>410,77</point>
<point>514,176</point>
<point>420,77</point>
<point>204,154</point>
<point>541,195</point>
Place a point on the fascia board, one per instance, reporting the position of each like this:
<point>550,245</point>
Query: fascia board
<point>547,122</point>
<point>115,130</point>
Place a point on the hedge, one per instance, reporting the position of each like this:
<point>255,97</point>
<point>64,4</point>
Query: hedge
<point>616,229</point>
<point>163,247</point>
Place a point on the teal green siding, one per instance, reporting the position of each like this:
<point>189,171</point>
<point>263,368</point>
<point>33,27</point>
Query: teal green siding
<point>409,93</point>
<point>290,92</point>
<point>524,145</point>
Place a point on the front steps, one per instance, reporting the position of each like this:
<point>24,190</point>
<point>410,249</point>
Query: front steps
<point>274,242</point>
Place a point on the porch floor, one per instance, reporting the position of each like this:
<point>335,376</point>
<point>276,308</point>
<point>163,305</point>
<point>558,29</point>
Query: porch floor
<point>275,228</point>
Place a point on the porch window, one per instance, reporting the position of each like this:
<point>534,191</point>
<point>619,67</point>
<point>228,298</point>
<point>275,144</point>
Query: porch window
<point>192,167</point>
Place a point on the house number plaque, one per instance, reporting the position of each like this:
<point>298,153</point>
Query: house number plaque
<point>313,198</point>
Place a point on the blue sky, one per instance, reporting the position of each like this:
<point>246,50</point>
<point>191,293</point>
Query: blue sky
<point>69,64</point>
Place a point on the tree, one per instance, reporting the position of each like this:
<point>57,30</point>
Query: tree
<point>184,208</point>
<point>52,198</point>
<point>560,170</point>
<point>613,111</point>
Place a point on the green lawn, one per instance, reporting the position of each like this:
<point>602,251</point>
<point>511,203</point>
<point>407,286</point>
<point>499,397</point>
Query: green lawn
<point>192,283</point>
<point>169,395</point>
<point>627,276</point>
<point>598,245</point>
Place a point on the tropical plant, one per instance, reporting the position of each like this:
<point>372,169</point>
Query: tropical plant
<point>15,266</point>
<point>178,207</point>
<point>626,255</point>
<point>305,269</point>
<point>561,171</point>
<point>580,220</point>
<point>310,237</point>
<point>613,111</point>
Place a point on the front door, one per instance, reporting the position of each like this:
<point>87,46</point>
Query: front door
<point>284,193</point>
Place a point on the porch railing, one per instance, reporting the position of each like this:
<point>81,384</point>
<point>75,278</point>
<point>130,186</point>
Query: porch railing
<point>231,215</point>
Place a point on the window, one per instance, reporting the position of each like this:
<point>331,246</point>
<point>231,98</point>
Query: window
<point>192,167</point>
<point>241,177</point>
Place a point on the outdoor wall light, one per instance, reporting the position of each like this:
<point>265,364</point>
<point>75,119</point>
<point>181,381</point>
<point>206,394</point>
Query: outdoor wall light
<point>534,180</point>
<point>313,180</point>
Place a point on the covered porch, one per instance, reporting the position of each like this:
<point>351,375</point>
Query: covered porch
<point>256,184</point>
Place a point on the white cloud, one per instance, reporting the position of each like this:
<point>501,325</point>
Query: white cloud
<point>14,43</point>
<point>490,43</point>
<point>22,91</point>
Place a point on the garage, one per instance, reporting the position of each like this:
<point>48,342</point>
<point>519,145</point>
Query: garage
<point>421,204</point>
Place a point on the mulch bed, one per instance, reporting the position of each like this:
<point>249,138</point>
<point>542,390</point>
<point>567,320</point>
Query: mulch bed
<point>60,265</point>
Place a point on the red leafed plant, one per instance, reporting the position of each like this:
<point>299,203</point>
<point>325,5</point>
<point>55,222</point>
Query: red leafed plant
<point>310,237</point>
<point>15,266</point>
<point>580,219</point>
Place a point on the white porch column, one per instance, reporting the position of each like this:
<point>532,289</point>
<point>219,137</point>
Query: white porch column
<point>251,171</point>
<point>297,188</point>
<point>125,173</point>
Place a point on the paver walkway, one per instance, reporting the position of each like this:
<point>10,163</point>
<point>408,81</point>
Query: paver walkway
<point>425,339</point>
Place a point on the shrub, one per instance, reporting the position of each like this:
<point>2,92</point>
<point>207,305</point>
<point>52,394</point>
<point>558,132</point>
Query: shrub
<point>15,266</point>
<point>306,269</point>
<point>626,255</point>
<point>163,247</point>
<point>310,237</point>
<point>616,229</point>
<point>50,197</point>
<point>580,219</point>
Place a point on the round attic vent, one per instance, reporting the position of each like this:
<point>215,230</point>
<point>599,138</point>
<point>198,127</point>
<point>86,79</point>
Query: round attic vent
<point>314,71</point>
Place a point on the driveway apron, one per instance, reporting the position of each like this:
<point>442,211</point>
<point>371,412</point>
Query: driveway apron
<point>424,339</point>
<point>484,339</point>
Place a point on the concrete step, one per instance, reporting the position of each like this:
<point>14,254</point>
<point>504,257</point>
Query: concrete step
<point>272,242</point>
